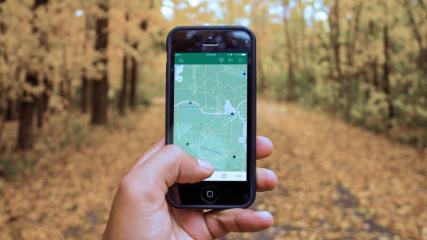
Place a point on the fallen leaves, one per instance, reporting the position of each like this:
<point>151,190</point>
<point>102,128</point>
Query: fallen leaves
<point>335,181</point>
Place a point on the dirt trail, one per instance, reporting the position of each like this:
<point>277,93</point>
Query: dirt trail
<point>336,181</point>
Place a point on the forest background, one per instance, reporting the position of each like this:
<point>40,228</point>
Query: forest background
<point>72,70</point>
<point>363,61</point>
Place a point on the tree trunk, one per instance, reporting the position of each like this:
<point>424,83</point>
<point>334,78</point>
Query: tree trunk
<point>387,70</point>
<point>42,103</point>
<point>39,3</point>
<point>39,112</point>
<point>423,5</point>
<point>100,86</point>
<point>85,94</point>
<point>123,94</point>
<point>25,131</point>
<point>99,102</point>
<point>350,50</point>
<point>334,23</point>
<point>2,125</point>
<point>375,77</point>
<point>422,49</point>
<point>124,88</point>
<point>25,138</point>
<point>10,111</point>
<point>85,84</point>
<point>28,102</point>
<point>414,25</point>
<point>351,42</point>
<point>133,83</point>
<point>68,90</point>
<point>290,96</point>
<point>7,109</point>
<point>40,106</point>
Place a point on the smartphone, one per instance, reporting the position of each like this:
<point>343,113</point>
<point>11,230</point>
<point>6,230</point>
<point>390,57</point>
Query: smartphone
<point>211,112</point>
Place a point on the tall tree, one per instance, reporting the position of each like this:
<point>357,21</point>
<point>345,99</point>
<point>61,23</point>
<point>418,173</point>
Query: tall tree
<point>100,85</point>
<point>290,86</point>
<point>123,94</point>
<point>85,81</point>
<point>417,32</point>
<point>351,72</point>
<point>335,32</point>
<point>133,74</point>
<point>28,99</point>
<point>387,66</point>
<point>259,18</point>
<point>42,100</point>
<point>133,79</point>
<point>353,32</point>
<point>6,104</point>
<point>2,91</point>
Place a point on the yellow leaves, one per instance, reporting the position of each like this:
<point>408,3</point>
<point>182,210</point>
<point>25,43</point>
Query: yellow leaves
<point>57,104</point>
<point>128,49</point>
<point>16,9</point>
<point>377,108</point>
<point>72,185</point>
<point>68,192</point>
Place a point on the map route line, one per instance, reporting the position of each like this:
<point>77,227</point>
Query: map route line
<point>238,105</point>
<point>202,111</point>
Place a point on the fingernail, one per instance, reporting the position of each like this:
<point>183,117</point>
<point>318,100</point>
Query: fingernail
<point>271,174</point>
<point>264,214</point>
<point>266,140</point>
<point>205,164</point>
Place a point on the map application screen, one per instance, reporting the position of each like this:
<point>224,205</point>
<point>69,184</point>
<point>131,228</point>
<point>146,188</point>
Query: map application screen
<point>210,110</point>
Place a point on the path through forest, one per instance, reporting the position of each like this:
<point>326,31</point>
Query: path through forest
<point>336,181</point>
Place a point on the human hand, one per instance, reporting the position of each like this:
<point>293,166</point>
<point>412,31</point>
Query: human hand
<point>140,210</point>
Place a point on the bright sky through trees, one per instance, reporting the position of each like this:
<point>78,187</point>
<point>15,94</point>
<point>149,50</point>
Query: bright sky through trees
<point>316,10</point>
<point>364,59</point>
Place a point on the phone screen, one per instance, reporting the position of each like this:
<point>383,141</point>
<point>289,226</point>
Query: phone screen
<point>210,110</point>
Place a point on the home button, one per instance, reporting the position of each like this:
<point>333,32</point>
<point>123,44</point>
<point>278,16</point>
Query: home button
<point>209,194</point>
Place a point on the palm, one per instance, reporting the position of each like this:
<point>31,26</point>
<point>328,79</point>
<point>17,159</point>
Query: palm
<point>140,211</point>
<point>188,223</point>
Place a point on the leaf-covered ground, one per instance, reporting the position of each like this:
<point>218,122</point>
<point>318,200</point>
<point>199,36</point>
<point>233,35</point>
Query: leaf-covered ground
<point>336,181</point>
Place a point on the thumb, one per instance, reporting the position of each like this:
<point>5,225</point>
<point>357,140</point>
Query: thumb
<point>172,165</point>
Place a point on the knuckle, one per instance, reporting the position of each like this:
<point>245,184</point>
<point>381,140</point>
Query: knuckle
<point>135,190</point>
<point>128,187</point>
<point>174,150</point>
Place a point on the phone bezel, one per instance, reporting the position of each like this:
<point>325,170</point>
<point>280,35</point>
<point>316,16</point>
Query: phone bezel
<point>242,194</point>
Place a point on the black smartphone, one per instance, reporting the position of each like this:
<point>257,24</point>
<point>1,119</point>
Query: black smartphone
<point>211,112</point>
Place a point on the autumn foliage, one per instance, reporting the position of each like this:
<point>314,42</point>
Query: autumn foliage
<point>59,59</point>
<point>343,85</point>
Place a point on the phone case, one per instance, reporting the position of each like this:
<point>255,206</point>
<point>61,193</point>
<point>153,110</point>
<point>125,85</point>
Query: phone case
<point>251,92</point>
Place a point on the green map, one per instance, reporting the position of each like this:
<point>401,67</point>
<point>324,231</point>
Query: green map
<point>210,111</point>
